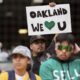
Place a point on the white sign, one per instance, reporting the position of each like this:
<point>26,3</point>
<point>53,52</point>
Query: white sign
<point>48,20</point>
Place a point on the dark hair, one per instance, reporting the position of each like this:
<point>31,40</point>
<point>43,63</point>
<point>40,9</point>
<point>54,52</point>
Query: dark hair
<point>35,38</point>
<point>66,37</point>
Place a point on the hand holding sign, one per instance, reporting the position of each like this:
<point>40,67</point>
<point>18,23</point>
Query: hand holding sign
<point>48,20</point>
<point>52,4</point>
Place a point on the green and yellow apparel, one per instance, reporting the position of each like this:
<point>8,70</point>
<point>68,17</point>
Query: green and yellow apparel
<point>5,76</point>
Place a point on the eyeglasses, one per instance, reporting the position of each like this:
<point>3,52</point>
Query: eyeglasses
<point>67,48</point>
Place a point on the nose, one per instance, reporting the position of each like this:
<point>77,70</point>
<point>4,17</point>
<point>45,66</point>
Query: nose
<point>40,44</point>
<point>63,50</point>
<point>18,58</point>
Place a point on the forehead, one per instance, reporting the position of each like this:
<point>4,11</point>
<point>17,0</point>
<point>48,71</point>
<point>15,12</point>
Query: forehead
<point>65,43</point>
<point>17,55</point>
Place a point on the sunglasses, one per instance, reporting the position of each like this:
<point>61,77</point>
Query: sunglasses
<point>67,48</point>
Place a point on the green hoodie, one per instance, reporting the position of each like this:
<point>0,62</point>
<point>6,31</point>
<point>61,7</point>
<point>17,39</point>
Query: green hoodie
<point>54,69</point>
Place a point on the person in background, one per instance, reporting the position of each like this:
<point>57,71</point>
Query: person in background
<point>63,66</point>
<point>37,46</point>
<point>21,58</point>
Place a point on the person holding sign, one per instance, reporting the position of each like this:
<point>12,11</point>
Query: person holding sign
<point>38,46</point>
<point>50,50</point>
<point>63,66</point>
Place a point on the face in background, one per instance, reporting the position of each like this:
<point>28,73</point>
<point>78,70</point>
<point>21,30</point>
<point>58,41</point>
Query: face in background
<point>37,46</point>
<point>64,50</point>
<point>20,62</point>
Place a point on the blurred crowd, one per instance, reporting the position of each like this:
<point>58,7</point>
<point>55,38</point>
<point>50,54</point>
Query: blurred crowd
<point>59,61</point>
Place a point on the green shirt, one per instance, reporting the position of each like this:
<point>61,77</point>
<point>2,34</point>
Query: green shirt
<point>53,69</point>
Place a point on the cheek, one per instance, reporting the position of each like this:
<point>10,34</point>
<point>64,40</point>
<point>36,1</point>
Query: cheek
<point>23,63</point>
<point>26,61</point>
<point>68,54</point>
<point>33,46</point>
<point>14,61</point>
<point>58,51</point>
<point>43,46</point>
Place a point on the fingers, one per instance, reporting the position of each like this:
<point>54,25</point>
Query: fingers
<point>52,4</point>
